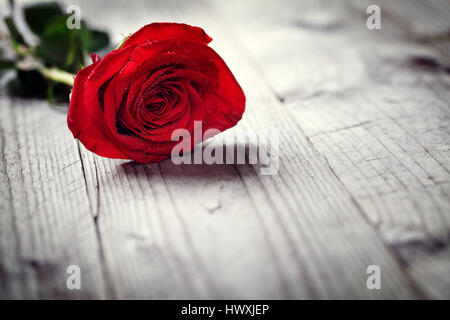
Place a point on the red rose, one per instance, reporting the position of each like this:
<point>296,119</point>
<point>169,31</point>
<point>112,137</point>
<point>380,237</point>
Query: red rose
<point>163,78</point>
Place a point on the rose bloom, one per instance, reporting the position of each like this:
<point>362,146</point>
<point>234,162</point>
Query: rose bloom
<point>164,77</point>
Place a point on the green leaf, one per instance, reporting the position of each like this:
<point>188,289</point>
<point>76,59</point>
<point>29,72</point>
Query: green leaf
<point>16,36</point>
<point>6,64</point>
<point>67,48</point>
<point>39,15</point>
<point>55,42</point>
<point>61,47</point>
<point>99,40</point>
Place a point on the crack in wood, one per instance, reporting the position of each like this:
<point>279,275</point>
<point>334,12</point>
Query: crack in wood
<point>364,123</point>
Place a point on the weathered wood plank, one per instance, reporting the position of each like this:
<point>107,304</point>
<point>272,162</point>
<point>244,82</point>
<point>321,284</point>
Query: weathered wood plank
<point>375,104</point>
<point>363,176</point>
<point>45,221</point>
<point>266,236</point>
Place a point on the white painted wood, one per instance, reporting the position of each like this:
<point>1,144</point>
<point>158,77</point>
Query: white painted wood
<point>45,222</point>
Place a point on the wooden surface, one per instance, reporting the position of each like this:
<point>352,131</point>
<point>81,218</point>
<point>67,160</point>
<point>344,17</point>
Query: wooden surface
<point>364,177</point>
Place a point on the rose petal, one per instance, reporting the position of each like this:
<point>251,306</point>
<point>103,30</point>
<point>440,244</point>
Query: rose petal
<point>91,133</point>
<point>165,30</point>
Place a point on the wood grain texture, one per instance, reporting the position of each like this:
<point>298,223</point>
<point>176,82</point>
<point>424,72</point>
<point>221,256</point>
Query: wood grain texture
<point>363,122</point>
<point>379,113</point>
<point>46,223</point>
